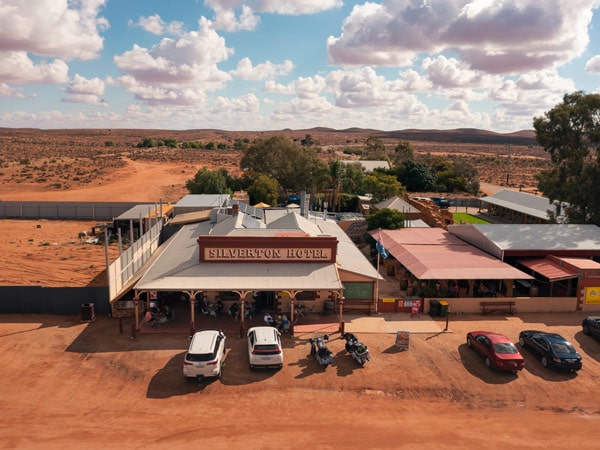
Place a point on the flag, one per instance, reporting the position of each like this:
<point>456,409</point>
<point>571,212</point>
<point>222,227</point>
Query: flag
<point>380,248</point>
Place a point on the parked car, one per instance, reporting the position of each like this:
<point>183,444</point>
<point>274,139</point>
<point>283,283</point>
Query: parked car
<point>555,350</point>
<point>264,347</point>
<point>498,350</point>
<point>591,326</point>
<point>204,357</point>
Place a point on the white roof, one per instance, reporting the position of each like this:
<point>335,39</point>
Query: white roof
<point>532,205</point>
<point>179,266</point>
<point>499,238</point>
<point>398,204</point>
<point>369,166</point>
<point>203,200</point>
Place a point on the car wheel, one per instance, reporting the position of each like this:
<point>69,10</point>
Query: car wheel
<point>586,329</point>
<point>544,361</point>
<point>521,342</point>
<point>469,342</point>
<point>488,363</point>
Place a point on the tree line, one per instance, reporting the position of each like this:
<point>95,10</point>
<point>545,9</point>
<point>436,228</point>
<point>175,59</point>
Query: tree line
<point>276,166</point>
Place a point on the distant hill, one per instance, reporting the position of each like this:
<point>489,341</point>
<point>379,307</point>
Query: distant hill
<point>323,135</point>
<point>459,135</point>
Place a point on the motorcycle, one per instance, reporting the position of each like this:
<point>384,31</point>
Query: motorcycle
<point>356,349</point>
<point>320,352</point>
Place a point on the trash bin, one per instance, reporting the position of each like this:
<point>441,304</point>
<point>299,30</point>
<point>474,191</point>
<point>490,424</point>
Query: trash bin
<point>87,312</point>
<point>443,308</point>
<point>328,308</point>
<point>434,307</point>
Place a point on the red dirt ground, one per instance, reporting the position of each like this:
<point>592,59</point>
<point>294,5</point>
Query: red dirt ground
<point>67,384</point>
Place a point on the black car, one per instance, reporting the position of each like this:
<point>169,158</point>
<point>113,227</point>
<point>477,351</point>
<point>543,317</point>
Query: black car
<point>555,350</point>
<point>591,326</point>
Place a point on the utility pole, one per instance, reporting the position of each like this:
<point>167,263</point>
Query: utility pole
<point>508,166</point>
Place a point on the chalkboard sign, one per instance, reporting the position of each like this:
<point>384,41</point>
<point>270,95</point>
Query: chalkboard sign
<point>402,340</point>
<point>358,290</point>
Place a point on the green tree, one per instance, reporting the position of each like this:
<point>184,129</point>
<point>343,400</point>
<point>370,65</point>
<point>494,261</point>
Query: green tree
<point>209,182</point>
<point>382,186</point>
<point>375,148</point>
<point>264,189</point>
<point>352,178</point>
<point>296,168</point>
<point>404,151</point>
<point>416,176</point>
<point>388,219</point>
<point>570,133</point>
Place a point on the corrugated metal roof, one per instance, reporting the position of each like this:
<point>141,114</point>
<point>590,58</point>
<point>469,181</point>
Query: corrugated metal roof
<point>435,254</point>
<point>397,204</point>
<point>203,200</point>
<point>179,266</point>
<point>532,205</point>
<point>549,269</point>
<point>497,238</point>
<point>145,211</point>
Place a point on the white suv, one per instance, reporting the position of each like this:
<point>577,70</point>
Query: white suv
<point>204,358</point>
<point>264,347</point>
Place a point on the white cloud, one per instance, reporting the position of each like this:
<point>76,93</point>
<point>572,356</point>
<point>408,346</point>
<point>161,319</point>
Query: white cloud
<point>310,87</point>
<point>246,71</point>
<point>450,73</point>
<point>487,35</point>
<point>226,17</point>
<point>277,88</point>
<point>245,104</point>
<point>52,28</point>
<point>155,25</point>
<point>176,71</point>
<point>83,90</point>
<point>18,68</point>
<point>593,64</point>
<point>296,7</point>
<point>361,88</point>
<point>7,91</point>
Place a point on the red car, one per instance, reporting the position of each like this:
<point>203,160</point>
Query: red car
<point>497,349</point>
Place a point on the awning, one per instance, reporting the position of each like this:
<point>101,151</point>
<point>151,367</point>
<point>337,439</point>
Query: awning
<point>435,254</point>
<point>439,262</point>
<point>549,269</point>
<point>247,276</point>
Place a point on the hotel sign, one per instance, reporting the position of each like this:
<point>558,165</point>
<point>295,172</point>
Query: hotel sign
<point>267,249</point>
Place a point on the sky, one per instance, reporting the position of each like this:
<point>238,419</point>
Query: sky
<point>259,65</point>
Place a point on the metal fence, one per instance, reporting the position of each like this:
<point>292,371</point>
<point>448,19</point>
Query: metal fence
<point>52,300</point>
<point>64,210</point>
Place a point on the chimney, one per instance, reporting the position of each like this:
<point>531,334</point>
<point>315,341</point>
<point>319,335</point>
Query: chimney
<point>235,209</point>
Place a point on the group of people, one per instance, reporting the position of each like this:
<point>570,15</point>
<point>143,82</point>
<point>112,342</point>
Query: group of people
<point>282,323</point>
<point>156,316</point>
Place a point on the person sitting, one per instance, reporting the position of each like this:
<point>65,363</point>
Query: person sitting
<point>284,324</point>
<point>149,317</point>
<point>269,320</point>
<point>168,312</point>
<point>234,311</point>
<point>219,306</point>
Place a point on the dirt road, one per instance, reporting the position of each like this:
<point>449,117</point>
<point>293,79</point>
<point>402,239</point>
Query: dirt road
<point>71,385</point>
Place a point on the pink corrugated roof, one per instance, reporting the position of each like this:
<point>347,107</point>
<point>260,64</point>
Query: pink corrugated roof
<point>549,269</point>
<point>435,254</point>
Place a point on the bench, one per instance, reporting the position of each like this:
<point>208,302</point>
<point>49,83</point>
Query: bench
<point>358,306</point>
<point>508,307</point>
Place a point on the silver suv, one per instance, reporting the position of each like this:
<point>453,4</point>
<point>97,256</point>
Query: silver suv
<point>205,356</point>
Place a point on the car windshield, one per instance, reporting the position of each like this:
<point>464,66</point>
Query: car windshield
<point>563,348</point>
<point>505,348</point>
<point>200,357</point>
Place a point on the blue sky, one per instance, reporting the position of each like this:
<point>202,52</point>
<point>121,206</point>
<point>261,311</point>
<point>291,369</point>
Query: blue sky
<point>275,64</point>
